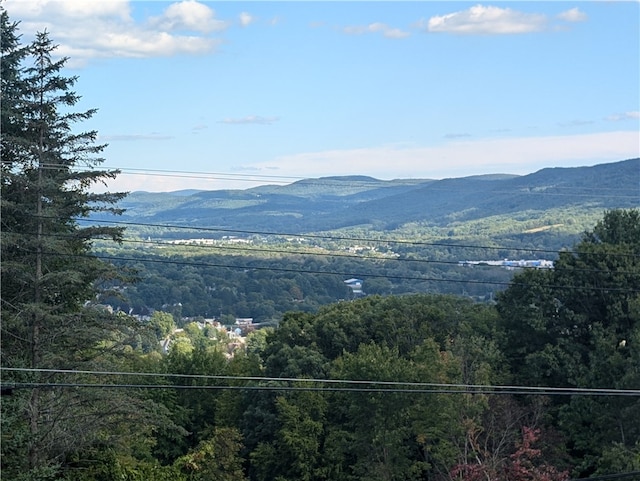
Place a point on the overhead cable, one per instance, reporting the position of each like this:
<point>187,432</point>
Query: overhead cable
<point>334,237</point>
<point>341,273</point>
<point>389,386</point>
<point>282,180</point>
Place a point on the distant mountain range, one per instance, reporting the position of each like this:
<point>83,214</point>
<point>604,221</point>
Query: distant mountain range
<point>333,203</point>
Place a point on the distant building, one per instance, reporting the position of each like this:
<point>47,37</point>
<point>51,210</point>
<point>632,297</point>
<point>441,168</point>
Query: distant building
<point>356,286</point>
<point>244,321</point>
<point>510,265</point>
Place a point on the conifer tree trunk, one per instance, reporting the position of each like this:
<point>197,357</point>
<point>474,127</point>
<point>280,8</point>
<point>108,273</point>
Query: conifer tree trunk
<point>34,408</point>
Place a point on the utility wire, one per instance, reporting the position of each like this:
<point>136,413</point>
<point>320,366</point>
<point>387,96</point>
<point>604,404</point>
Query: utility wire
<point>32,385</point>
<point>347,256</point>
<point>342,273</point>
<point>379,258</point>
<point>339,273</point>
<point>382,257</point>
<point>83,220</point>
<point>392,386</point>
<point>277,179</point>
<point>338,238</point>
<point>267,250</point>
<point>260,250</point>
<point>277,269</point>
<point>322,181</point>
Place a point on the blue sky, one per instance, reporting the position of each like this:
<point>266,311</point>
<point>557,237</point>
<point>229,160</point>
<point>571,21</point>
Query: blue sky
<point>216,95</point>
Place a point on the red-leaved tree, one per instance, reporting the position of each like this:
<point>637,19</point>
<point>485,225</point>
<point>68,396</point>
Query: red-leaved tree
<point>523,465</point>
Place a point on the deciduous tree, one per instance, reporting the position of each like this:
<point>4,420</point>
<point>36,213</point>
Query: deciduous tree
<point>579,326</point>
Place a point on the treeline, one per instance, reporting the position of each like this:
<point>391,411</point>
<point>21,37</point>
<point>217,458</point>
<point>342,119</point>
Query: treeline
<point>541,386</point>
<point>267,275</point>
<point>264,287</point>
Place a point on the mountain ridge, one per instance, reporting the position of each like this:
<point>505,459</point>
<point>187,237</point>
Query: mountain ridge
<point>333,203</point>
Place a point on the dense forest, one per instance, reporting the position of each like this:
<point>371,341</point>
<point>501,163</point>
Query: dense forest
<point>264,288</point>
<point>406,383</point>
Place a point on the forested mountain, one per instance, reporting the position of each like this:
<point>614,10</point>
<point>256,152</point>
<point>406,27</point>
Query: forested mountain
<point>331,203</point>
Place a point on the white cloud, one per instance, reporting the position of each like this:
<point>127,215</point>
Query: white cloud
<point>487,20</point>
<point>149,44</point>
<point>573,15</point>
<point>188,15</point>
<point>462,157</point>
<point>632,115</point>
<point>246,19</point>
<point>87,30</point>
<point>395,33</point>
<point>51,10</point>
<point>250,119</point>
<point>376,27</point>
<point>453,159</point>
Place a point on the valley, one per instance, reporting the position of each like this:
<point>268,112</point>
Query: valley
<point>265,251</point>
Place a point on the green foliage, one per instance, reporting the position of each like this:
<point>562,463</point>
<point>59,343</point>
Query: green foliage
<point>51,284</point>
<point>162,323</point>
<point>109,465</point>
<point>214,458</point>
<point>373,435</point>
<point>297,442</point>
<point>578,326</point>
<point>256,342</point>
<point>618,458</point>
<point>380,447</point>
<point>202,412</point>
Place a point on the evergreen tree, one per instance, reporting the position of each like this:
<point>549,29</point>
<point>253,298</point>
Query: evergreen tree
<point>11,84</point>
<point>50,280</point>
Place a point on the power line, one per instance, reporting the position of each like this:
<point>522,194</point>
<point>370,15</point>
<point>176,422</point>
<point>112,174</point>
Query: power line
<point>390,386</point>
<point>379,258</point>
<point>287,180</point>
<point>262,250</point>
<point>258,250</point>
<point>32,385</point>
<point>347,256</point>
<point>343,273</point>
<point>335,238</point>
<point>278,179</point>
<point>272,268</point>
<point>340,273</point>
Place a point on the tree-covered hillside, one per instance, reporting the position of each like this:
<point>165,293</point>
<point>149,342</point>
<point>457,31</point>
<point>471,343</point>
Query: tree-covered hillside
<point>405,384</point>
<point>569,199</point>
<point>256,253</point>
<point>542,386</point>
